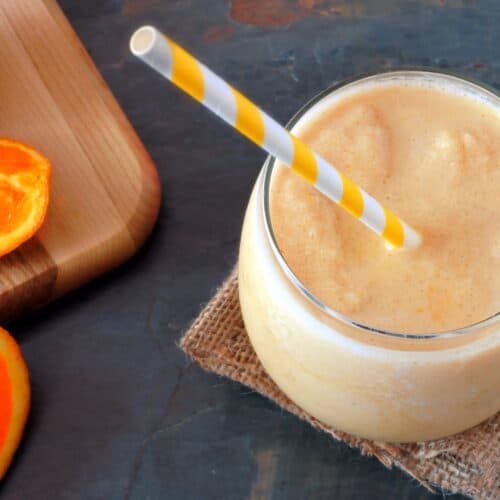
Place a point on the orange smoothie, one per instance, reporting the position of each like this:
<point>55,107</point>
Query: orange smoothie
<point>434,158</point>
<point>388,344</point>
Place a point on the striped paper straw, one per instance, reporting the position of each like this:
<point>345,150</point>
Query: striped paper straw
<point>173,62</point>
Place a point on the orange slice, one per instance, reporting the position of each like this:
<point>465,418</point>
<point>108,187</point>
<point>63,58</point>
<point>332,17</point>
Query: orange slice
<point>14,398</point>
<point>24,193</point>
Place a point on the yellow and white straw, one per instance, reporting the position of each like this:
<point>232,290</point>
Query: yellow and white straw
<point>173,62</point>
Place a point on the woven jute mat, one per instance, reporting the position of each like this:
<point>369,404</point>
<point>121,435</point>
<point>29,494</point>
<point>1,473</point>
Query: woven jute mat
<point>468,463</point>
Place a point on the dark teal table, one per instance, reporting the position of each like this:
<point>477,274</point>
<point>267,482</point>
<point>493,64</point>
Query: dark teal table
<point>118,410</point>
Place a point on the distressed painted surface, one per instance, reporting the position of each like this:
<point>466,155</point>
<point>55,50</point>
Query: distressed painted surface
<point>282,12</point>
<point>118,410</point>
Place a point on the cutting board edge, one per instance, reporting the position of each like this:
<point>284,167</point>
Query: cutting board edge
<point>123,243</point>
<point>140,222</point>
<point>148,170</point>
<point>38,275</point>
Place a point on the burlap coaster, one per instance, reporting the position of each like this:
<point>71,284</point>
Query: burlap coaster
<point>468,463</point>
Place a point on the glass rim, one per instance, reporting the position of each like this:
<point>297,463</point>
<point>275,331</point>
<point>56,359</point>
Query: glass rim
<point>292,277</point>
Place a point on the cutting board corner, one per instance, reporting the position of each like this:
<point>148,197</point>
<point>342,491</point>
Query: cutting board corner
<point>105,192</point>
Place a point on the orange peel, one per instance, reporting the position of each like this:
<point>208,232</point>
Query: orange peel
<point>24,193</point>
<point>15,395</point>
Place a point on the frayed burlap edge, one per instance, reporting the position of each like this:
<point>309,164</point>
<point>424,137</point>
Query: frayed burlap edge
<point>468,463</point>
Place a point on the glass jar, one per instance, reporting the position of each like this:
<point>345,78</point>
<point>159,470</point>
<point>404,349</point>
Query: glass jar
<point>390,386</point>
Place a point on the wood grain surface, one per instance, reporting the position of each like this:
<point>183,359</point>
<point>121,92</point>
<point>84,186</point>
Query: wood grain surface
<point>105,191</point>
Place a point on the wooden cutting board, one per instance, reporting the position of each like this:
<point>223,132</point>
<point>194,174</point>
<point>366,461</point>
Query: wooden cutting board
<point>105,191</point>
